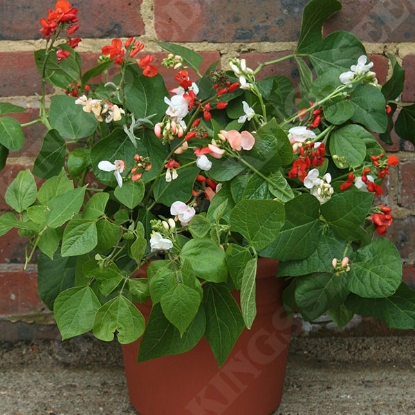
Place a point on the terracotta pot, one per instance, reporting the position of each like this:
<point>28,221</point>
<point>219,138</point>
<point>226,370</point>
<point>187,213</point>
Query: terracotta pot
<point>250,382</point>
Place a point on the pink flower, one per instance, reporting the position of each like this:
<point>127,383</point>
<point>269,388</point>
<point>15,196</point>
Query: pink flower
<point>238,141</point>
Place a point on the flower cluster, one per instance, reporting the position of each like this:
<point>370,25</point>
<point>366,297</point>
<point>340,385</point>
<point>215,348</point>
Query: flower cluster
<point>204,179</point>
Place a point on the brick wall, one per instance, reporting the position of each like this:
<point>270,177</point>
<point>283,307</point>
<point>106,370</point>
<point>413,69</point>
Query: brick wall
<point>258,31</point>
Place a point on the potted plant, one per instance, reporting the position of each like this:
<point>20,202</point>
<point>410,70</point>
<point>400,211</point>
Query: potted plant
<point>174,199</point>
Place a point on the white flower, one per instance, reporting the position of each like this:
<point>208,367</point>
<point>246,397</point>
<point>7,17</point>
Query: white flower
<point>361,67</point>
<point>118,167</point>
<point>312,179</point>
<point>178,106</point>
<point>183,212</point>
<point>300,134</point>
<point>194,88</point>
<point>346,78</point>
<point>319,188</point>
<point>249,113</point>
<point>243,84</point>
<point>203,163</point>
<point>158,243</point>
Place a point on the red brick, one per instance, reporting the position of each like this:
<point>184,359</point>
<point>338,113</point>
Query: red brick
<point>375,21</point>
<point>380,67</point>
<point>402,235</point>
<point>407,185</point>
<point>408,275</point>
<point>408,65</point>
<point>12,248</point>
<point>230,21</point>
<point>97,19</point>
<point>287,68</point>
<point>19,75</point>
<point>18,293</point>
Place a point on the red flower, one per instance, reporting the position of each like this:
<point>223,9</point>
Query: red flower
<point>62,54</point>
<point>73,43</point>
<point>347,183</point>
<point>221,105</point>
<point>381,221</point>
<point>298,169</point>
<point>114,51</point>
<point>393,161</point>
<point>144,64</point>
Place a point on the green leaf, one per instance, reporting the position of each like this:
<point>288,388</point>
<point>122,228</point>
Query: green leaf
<point>131,193</point>
<point>138,288</point>
<point>237,258</point>
<point>141,91</point>
<point>272,148</point>
<point>53,187</point>
<point>224,322</point>
<point>6,108</point>
<point>75,311</point>
<point>78,161</point>
<point>348,144</point>
<point>206,259</point>
<point>62,73</point>
<point>315,13</point>
<point>369,105</point>
<point>248,301</point>
<point>4,153</point>
<point>116,146</point>
<point>191,58</point>
<point>298,237</point>
<point>22,191</point>
<point>62,207</point>
<point>180,189</point>
<point>376,270</point>
<point>338,112</point>
<point>405,123</point>
<point>161,278</point>
<point>397,311</point>
<point>108,234</point>
<point>121,316</point>
<point>109,278</point>
<point>7,222</point>
<point>70,119</point>
<point>393,87</point>
<point>316,293</point>
<point>138,249</point>
<point>338,51</point>
<point>49,241</point>
<point>306,76</point>
<point>79,237</point>
<point>54,276</point>
<point>340,314</point>
<point>346,212</point>
<point>11,134</point>
<point>95,71</point>
<point>180,306</point>
<point>96,206</point>
<point>320,260</point>
<point>51,158</point>
<point>161,338</point>
<point>263,227</point>
<point>199,226</point>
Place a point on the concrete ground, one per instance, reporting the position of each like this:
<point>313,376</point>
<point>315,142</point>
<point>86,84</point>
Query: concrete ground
<point>326,375</point>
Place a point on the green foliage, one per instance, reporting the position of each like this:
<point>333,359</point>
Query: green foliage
<point>171,200</point>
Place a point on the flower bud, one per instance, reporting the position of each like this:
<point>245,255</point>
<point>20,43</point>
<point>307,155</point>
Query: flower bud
<point>334,263</point>
<point>345,262</point>
<point>172,223</point>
